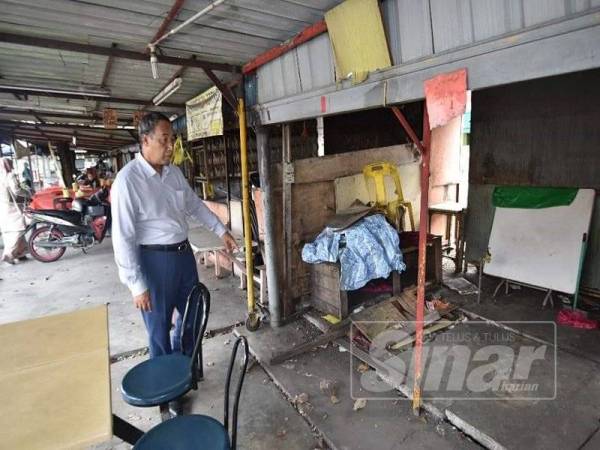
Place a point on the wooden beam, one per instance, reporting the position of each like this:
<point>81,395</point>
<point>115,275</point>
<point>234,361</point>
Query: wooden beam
<point>117,52</point>
<point>330,167</point>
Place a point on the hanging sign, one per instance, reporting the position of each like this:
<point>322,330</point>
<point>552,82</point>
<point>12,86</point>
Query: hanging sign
<point>204,115</point>
<point>137,117</point>
<point>109,117</point>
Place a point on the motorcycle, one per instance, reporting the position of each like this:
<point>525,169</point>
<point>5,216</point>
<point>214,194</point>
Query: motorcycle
<point>83,226</point>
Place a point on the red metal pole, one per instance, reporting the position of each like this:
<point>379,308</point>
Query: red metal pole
<point>305,35</point>
<point>422,259</point>
<point>407,128</point>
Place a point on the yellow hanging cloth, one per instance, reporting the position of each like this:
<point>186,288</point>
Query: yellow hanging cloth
<point>358,39</point>
<point>180,154</point>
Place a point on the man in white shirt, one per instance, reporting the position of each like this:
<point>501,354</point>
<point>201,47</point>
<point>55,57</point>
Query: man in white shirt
<point>151,200</point>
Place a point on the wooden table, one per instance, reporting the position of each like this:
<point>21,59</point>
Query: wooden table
<point>207,244</point>
<point>55,382</point>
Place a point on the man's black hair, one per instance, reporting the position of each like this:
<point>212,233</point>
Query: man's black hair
<point>148,123</point>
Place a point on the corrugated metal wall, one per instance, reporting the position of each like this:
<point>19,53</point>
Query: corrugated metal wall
<point>536,133</point>
<point>417,29</point>
<point>305,68</point>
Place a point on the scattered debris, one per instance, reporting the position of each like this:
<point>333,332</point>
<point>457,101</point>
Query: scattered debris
<point>359,404</point>
<point>362,368</point>
<point>461,285</point>
<point>281,433</point>
<point>576,319</point>
<point>301,398</point>
<point>301,402</point>
<point>331,318</point>
<point>437,304</point>
<point>440,429</point>
<point>330,388</point>
<point>289,366</point>
<point>227,342</point>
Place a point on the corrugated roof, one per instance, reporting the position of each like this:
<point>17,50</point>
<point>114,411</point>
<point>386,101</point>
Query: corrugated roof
<point>234,33</point>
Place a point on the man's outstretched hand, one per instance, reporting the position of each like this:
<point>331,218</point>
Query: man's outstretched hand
<point>229,241</point>
<point>142,301</point>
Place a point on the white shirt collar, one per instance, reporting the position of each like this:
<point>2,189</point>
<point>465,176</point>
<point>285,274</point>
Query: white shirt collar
<point>147,169</point>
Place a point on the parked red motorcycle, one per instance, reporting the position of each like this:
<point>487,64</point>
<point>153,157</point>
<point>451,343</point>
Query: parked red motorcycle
<point>83,226</point>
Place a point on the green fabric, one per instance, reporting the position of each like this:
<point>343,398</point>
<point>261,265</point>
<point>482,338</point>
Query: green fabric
<point>532,197</point>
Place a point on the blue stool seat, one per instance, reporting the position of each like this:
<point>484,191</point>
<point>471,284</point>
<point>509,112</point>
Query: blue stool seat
<point>158,380</point>
<point>186,432</point>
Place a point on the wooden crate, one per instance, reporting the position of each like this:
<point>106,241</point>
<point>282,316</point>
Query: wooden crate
<point>325,287</point>
<point>326,293</point>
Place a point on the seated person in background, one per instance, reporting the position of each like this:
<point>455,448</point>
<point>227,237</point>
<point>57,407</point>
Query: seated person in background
<point>91,180</point>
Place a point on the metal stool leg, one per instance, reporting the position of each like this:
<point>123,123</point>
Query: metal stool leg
<point>200,365</point>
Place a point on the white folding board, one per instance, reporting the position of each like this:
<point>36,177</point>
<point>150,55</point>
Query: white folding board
<point>541,247</point>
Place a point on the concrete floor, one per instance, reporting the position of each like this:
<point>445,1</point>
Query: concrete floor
<point>34,289</point>
<point>270,417</point>
<point>525,305</point>
<point>381,424</point>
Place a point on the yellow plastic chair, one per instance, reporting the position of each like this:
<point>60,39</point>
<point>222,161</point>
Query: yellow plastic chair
<point>377,172</point>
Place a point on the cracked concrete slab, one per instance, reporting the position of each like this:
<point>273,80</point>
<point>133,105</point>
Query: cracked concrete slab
<point>381,424</point>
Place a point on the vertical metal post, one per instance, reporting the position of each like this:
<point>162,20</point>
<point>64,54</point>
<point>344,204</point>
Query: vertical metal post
<point>287,215</point>
<point>270,254</point>
<point>252,316</point>
<point>422,259</point>
<point>227,180</point>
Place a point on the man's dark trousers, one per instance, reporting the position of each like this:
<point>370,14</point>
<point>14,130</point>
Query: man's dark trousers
<point>170,276</point>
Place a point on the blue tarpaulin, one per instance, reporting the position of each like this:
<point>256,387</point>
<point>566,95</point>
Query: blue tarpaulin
<point>367,250</point>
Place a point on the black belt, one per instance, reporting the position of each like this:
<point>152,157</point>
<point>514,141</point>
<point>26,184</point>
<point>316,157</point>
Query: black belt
<point>179,247</point>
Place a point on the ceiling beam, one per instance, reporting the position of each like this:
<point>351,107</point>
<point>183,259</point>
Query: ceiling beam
<point>116,52</point>
<point>42,138</point>
<point>227,94</point>
<point>45,124</point>
<point>131,101</point>
<point>106,74</point>
<point>24,112</point>
<point>171,16</point>
<point>52,126</point>
<point>67,135</point>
